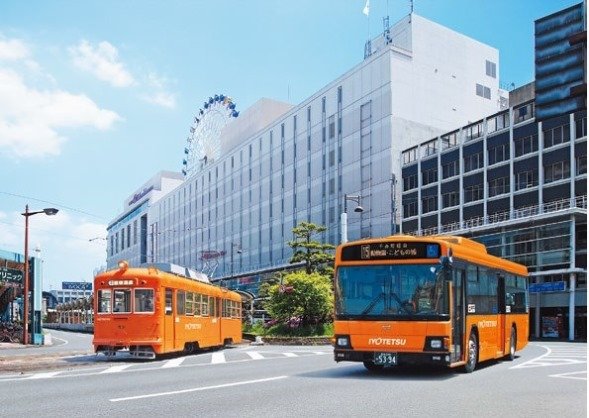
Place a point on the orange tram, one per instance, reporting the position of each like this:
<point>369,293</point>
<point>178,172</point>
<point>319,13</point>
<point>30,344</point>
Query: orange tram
<point>162,308</point>
<point>438,300</point>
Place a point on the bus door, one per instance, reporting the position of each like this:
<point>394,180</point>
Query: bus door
<point>501,316</point>
<point>458,314</point>
<point>169,334</point>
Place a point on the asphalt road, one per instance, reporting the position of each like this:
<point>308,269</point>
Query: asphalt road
<point>546,380</point>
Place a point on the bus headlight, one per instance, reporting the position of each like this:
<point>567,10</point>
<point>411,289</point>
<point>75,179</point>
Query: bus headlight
<point>342,341</point>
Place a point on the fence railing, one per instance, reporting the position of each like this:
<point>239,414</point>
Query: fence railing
<point>579,202</point>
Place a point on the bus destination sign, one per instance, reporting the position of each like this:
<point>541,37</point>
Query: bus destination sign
<point>390,251</point>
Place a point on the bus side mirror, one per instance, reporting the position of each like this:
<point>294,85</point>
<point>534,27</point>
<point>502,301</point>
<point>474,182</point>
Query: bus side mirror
<point>446,261</point>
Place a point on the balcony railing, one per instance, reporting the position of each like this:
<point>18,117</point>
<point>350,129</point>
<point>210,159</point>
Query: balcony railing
<point>579,202</point>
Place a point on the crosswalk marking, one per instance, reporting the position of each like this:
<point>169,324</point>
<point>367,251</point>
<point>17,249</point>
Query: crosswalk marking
<point>175,362</point>
<point>218,358</point>
<point>255,355</point>
<point>116,369</point>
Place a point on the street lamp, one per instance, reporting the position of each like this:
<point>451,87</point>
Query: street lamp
<point>26,214</point>
<point>344,216</point>
<point>239,251</point>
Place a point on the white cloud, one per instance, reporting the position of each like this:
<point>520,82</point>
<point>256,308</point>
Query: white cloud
<point>13,50</point>
<point>159,95</point>
<point>29,118</point>
<point>103,62</point>
<point>63,239</point>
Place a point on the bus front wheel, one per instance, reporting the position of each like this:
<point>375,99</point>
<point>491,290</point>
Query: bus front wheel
<point>473,353</point>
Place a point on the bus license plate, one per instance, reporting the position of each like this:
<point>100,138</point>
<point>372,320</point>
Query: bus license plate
<point>385,359</point>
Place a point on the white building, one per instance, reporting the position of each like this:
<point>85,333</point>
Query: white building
<point>283,164</point>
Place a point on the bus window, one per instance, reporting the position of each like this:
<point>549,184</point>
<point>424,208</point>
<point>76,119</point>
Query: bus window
<point>168,301</point>
<point>515,295</point>
<point>122,300</point>
<point>104,301</point>
<point>144,300</point>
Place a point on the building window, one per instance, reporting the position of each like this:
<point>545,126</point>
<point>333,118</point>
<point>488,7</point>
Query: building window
<point>410,155</point>
<point>429,204</point>
<point>498,154</point>
<point>581,127</point>
<point>491,69</point>
<point>429,148</point>
<point>473,162</point>
<point>556,171</point>
<point>449,140</point>
<point>331,126</point>
<point>498,186</point>
<point>409,209</point>
<point>410,182</point>
<point>526,179</point>
<point>429,176</point>
<point>581,165</point>
<point>474,131</point>
<point>523,113</point>
<point>450,199</point>
<point>473,193</point>
<point>498,123</point>
<point>526,145</point>
<point>483,91</point>
<point>450,169</point>
<point>556,136</point>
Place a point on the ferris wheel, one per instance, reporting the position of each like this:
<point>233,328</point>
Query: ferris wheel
<point>204,142</point>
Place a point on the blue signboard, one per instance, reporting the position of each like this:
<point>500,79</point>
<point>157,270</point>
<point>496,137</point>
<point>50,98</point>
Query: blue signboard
<point>547,287</point>
<point>76,286</point>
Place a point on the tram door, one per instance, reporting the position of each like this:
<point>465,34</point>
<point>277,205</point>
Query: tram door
<point>169,334</point>
<point>215,320</point>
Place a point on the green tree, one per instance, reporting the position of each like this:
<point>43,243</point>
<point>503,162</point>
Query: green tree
<point>313,253</point>
<point>307,298</point>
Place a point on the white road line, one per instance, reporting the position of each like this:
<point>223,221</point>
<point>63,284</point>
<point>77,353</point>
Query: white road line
<point>43,375</point>
<point>255,355</point>
<point>218,358</point>
<point>570,375</point>
<point>290,355</point>
<point>116,369</point>
<point>175,362</point>
<point>176,392</point>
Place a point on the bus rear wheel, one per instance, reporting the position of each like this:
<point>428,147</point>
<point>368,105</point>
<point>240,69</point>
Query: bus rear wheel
<point>373,367</point>
<point>512,345</point>
<point>473,353</point>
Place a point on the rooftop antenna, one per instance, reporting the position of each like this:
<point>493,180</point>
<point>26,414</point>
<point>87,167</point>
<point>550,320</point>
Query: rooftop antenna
<point>410,9</point>
<point>368,44</point>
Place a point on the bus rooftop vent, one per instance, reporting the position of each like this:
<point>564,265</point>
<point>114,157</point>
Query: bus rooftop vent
<point>465,242</point>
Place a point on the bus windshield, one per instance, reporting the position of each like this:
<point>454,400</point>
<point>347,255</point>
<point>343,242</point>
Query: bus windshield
<point>377,291</point>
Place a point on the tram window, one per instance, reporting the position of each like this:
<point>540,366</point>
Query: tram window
<point>205,305</point>
<point>122,300</point>
<point>197,299</point>
<point>168,301</point>
<point>180,302</point>
<point>143,300</point>
<point>212,307</point>
<point>189,303</point>
<point>104,301</point>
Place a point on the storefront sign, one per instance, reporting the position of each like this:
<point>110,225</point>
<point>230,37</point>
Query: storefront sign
<point>547,287</point>
<point>11,275</point>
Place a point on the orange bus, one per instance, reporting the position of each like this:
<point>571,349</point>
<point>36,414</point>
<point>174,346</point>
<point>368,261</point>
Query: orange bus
<point>438,300</point>
<point>162,308</point>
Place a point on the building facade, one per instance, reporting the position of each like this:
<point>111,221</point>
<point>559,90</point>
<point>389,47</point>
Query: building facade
<point>234,217</point>
<point>516,180</point>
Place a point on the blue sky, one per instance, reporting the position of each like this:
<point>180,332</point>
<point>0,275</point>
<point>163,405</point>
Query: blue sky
<point>98,96</point>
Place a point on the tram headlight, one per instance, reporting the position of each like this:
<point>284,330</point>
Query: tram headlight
<point>435,343</point>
